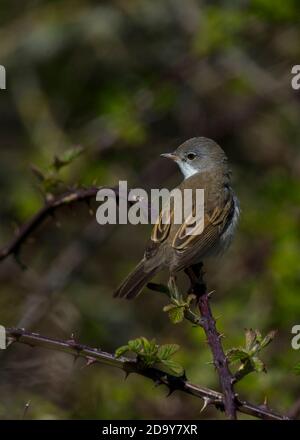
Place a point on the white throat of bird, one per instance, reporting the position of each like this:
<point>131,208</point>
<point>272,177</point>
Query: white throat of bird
<point>187,169</point>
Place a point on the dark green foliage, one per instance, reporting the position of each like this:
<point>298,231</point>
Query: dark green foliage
<point>247,356</point>
<point>149,354</point>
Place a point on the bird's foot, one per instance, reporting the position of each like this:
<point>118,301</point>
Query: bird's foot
<point>196,274</point>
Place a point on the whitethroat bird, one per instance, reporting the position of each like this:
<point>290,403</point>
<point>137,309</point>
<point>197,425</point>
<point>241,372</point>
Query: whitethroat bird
<point>204,166</point>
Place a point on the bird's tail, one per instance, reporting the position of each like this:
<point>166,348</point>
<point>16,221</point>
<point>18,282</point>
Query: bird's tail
<point>135,281</point>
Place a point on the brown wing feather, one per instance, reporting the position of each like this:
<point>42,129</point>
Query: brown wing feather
<point>162,227</point>
<point>187,246</point>
<point>214,224</point>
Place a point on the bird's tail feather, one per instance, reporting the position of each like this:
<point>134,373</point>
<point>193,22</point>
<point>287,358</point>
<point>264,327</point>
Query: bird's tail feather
<point>135,281</point>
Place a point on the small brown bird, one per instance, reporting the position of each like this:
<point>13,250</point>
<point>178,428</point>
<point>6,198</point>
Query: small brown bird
<point>204,166</point>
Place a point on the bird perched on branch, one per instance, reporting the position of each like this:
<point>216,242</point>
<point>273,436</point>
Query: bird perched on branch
<point>204,166</point>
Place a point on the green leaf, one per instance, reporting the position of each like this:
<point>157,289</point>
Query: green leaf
<point>170,367</point>
<point>176,313</point>
<point>150,347</point>
<point>250,336</point>
<point>166,351</point>
<point>137,345</point>
<point>247,356</point>
<point>67,157</point>
<point>267,339</point>
<point>149,352</point>
<point>258,336</point>
<point>258,364</point>
<point>237,354</point>
<point>121,350</point>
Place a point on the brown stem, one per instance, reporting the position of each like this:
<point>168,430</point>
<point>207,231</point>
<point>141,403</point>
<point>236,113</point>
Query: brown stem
<point>214,340</point>
<point>69,198</point>
<point>94,355</point>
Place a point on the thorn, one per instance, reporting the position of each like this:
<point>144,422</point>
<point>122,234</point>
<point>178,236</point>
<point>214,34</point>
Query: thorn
<point>72,340</point>
<point>171,391</point>
<point>206,402</point>
<point>27,405</point>
<point>221,336</point>
<point>126,374</point>
<point>218,317</point>
<point>89,361</point>
<point>265,402</point>
<point>184,376</point>
<point>10,341</point>
<point>209,295</point>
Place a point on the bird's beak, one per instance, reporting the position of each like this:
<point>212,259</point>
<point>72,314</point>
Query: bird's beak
<point>171,156</point>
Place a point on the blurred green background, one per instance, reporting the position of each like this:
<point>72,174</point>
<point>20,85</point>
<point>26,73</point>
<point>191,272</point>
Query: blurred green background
<point>128,80</point>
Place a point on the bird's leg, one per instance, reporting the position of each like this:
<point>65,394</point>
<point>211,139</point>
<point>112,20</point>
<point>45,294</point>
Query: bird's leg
<point>196,274</point>
<point>173,288</point>
<point>198,270</point>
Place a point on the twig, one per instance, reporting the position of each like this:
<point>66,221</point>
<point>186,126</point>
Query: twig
<point>188,313</point>
<point>49,285</point>
<point>214,340</point>
<point>26,408</point>
<point>68,198</point>
<point>94,355</point>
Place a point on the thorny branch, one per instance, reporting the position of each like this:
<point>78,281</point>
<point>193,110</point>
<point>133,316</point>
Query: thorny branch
<point>68,198</point>
<point>173,383</point>
<point>214,340</point>
<point>206,320</point>
<point>227,401</point>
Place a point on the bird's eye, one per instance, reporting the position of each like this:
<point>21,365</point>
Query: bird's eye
<point>191,156</point>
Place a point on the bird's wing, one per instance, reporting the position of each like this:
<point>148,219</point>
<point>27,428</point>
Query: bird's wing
<point>160,232</point>
<point>161,229</point>
<point>186,240</point>
<point>189,249</point>
<point>215,222</point>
